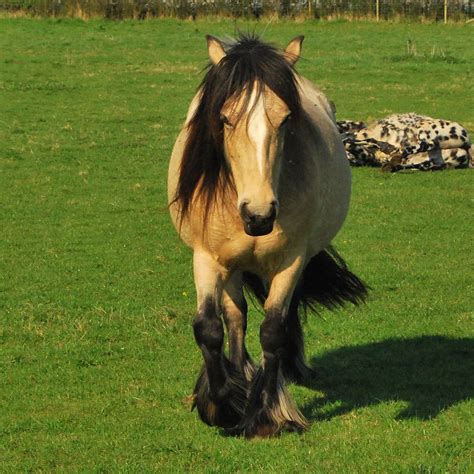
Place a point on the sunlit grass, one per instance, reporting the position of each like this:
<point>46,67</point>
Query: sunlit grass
<point>96,293</point>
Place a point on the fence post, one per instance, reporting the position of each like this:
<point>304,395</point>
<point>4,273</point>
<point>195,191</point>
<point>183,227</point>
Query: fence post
<point>445,11</point>
<point>377,10</point>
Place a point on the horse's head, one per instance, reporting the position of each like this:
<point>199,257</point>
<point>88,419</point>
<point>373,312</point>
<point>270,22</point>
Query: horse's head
<point>236,130</point>
<point>254,119</point>
<point>253,132</point>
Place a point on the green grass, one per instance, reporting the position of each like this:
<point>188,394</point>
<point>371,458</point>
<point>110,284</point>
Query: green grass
<point>97,355</point>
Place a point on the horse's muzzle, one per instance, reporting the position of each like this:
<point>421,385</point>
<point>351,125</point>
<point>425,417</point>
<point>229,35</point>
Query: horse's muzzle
<point>257,224</point>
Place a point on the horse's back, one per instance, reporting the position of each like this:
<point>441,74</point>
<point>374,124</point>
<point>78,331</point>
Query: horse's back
<point>314,100</point>
<point>332,175</point>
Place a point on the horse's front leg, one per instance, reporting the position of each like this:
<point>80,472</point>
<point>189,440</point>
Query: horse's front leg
<point>270,408</point>
<point>235,317</point>
<point>220,393</point>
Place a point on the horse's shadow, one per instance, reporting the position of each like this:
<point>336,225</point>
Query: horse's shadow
<point>429,373</point>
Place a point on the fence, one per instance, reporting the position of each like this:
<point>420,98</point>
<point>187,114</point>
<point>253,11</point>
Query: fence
<point>435,10</point>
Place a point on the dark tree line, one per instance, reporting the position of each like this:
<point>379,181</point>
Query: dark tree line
<point>142,9</point>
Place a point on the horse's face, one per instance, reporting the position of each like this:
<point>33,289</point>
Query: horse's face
<point>254,130</point>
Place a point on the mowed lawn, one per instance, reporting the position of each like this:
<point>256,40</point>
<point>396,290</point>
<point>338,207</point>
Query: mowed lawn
<point>97,355</point>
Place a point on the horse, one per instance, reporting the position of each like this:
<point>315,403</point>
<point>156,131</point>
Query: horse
<point>418,142</point>
<point>407,142</point>
<point>258,186</point>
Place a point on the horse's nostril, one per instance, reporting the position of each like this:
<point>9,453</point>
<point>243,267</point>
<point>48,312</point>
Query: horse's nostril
<point>258,223</point>
<point>244,211</point>
<point>273,209</point>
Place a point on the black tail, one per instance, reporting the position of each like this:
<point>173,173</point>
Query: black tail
<point>326,281</point>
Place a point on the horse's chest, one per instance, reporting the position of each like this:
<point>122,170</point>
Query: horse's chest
<point>252,253</point>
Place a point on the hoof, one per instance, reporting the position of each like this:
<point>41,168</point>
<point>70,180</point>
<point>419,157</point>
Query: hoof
<point>263,427</point>
<point>272,430</point>
<point>269,413</point>
<point>224,408</point>
<point>219,414</point>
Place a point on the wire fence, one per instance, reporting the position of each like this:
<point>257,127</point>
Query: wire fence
<point>431,10</point>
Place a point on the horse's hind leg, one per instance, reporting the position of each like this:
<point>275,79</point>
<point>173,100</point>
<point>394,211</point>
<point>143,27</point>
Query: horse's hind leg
<point>235,317</point>
<point>294,366</point>
<point>270,409</point>
<point>220,393</point>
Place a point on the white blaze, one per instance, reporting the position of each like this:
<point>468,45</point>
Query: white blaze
<point>257,128</point>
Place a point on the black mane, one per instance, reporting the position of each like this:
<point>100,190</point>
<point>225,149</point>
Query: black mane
<point>247,61</point>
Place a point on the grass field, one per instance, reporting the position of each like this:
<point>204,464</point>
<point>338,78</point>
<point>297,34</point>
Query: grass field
<point>97,356</point>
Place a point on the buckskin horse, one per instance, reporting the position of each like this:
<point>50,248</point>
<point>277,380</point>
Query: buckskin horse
<point>259,185</point>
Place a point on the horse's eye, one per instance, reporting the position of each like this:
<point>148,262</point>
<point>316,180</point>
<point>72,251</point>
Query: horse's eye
<point>225,120</point>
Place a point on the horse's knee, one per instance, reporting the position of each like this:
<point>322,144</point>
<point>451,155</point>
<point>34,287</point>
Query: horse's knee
<point>208,328</point>
<point>273,333</point>
<point>236,317</point>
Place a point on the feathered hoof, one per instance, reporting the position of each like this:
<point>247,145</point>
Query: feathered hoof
<point>225,409</point>
<point>220,414</point>
<point>269,413</point>
<point>264,426</point>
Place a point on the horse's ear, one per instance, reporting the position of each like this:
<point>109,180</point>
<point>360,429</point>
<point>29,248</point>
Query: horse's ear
<point>293,50</point>
<point>215,49</point>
